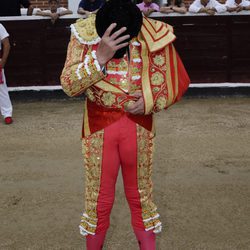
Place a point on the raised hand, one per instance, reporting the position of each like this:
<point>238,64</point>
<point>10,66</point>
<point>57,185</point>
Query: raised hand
<point>109,44</point>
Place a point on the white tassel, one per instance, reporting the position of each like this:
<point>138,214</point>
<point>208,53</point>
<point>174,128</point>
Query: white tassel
<point>78,71</point>
<point>91,225</point>
<point>136,78</point>
<point>86,61</point>
<point>86,216</point>
<point>152,218</point>
<point>137,60</point>
<point>85,232</point>
<point>116,72</point>
<point>136,43</point>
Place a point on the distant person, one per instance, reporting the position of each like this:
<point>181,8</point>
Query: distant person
<point>5,103</point>
<point>24,11</point>
<point>54,11</point>
<point>86,7</point>
<point>13,7</point>
<point>207,6</point>
<point>147,7</point>
<point>174,6</point>
<point>237,5</point>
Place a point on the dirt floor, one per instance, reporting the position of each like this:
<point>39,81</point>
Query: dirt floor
<point>201,178</point>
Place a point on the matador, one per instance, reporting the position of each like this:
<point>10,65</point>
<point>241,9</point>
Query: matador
<point>128,69</point>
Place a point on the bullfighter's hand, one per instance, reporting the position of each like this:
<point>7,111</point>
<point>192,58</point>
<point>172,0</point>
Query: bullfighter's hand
<point>136,108</point>
<point>109,44</point>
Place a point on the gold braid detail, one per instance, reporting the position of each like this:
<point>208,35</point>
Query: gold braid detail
<point>92,151</point>
<point>145,146</point>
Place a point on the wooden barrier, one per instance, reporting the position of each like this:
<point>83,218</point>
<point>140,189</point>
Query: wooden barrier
<point>213,48</point>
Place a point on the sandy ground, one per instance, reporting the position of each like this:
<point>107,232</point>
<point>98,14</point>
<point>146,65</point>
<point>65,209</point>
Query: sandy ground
<point>201,178</point>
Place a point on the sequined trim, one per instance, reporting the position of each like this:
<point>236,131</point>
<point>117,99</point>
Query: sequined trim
<point>145,147</point>
<point>92,147</point>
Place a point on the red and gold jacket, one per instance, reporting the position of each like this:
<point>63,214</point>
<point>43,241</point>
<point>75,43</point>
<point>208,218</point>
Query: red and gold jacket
<point>154,68</point>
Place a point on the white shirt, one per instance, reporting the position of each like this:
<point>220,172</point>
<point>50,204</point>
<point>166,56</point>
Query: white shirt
<point>3,34</point>
<point>196,6</point>
<point>233,4</point>
<point>59,10</point>
<point>25,10</point>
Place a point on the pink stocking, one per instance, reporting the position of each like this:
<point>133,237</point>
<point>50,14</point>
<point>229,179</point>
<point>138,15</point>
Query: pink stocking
<point>95,242</point>
<point>146,239</point>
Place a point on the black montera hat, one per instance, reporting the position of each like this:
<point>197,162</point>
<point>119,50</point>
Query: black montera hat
<point>125,14</point>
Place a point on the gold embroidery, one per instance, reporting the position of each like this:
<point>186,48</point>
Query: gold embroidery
<point>161,103</point>
<point>134,87</point>
<point>92,147</point>
<point>70,81</point>
<point>118,65</point>
<point>159,60</point>
<point>86,28</point>
<point>157,78</point>
<point>144,171</point>
<point>135,71</point>
<point>108,99</point>
<point>156,89</point>
<point>90,94</point>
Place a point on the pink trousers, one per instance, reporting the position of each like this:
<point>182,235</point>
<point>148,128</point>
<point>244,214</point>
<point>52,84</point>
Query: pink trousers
<point>119,150</point>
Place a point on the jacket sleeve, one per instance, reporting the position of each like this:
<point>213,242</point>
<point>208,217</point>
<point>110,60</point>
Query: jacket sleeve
<point>81,69</point>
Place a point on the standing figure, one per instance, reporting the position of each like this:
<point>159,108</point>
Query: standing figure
<point>5,103</point>
<point>128,68</point>
<point>55,11</point>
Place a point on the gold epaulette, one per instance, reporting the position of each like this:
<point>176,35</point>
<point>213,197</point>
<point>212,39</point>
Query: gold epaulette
<point>84,30</point>
<point>156,34</point>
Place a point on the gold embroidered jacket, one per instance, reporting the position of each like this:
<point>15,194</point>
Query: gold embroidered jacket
<point>154,68</point>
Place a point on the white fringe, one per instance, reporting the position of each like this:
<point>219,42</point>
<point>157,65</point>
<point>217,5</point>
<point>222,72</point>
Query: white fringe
<point>80,39</point>
<point>116,72</point>
<point>137,60</point>
<point>86,60</point>
<point>91,225</point>
<point>78,71</point>
<point>152,218</point>
<point>157,228</point>
<point>97,65</point>
<point>85,232</point>
<point>93,53</point>
<point>136,43</point>
<point>136,77</point>
<point>86,216</point>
